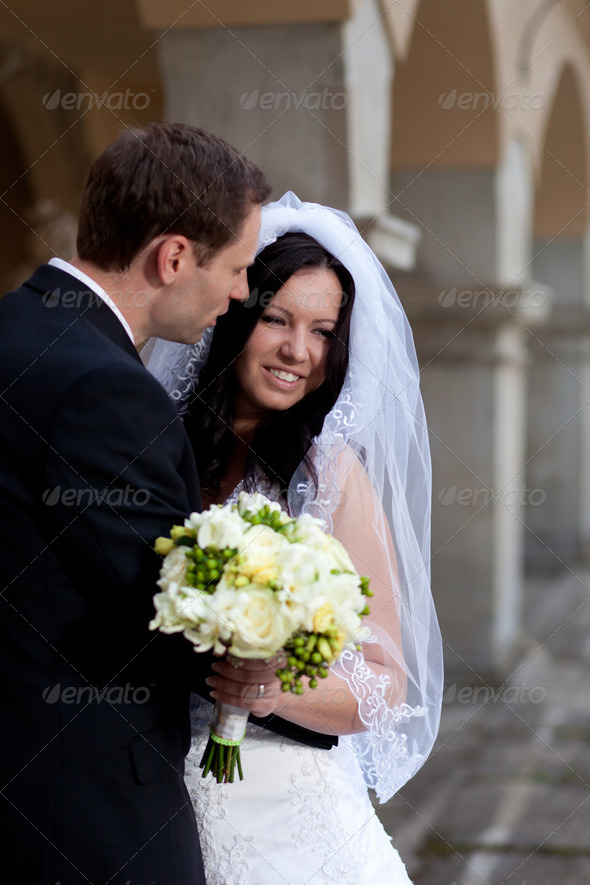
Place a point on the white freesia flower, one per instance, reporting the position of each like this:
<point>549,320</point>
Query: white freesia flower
<point>205,628</point>
<point>173,567</point>
<point>308,530</point>
<point>254,502</point>
<point>167,617</point>
<point>221,528</point>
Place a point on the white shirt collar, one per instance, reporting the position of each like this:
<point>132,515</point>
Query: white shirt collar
<point>94,287</point>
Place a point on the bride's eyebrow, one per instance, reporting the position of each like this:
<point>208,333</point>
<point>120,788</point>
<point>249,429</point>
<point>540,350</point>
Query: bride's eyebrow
<point>285,310</point>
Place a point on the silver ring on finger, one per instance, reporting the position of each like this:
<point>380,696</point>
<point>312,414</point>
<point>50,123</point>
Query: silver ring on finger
<point>261,690</point>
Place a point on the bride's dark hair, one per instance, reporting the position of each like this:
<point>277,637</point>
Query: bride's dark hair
<point>282,440</point>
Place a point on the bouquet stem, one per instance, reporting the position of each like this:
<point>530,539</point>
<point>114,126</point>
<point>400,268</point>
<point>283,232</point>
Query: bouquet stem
<point>222,753</point>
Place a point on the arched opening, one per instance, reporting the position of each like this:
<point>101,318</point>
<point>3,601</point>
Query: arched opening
<point>562,195</point>
<point>444,93</point>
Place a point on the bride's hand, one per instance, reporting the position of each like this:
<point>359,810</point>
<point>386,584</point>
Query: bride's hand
<point>251,684</point>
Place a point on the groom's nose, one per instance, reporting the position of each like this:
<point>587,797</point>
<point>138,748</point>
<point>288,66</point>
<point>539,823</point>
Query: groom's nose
<point>239,290</point>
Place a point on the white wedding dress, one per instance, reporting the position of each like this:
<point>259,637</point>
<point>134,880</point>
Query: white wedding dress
<point>301,816</point>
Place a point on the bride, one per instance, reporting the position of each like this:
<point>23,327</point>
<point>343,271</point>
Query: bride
<point>309,392</point>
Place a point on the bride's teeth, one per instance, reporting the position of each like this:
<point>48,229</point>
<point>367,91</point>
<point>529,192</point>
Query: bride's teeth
<point>284,376</point>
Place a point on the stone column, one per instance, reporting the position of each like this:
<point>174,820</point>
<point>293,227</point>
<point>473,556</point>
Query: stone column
<point>472,346</point>
<point>309,103</point>
<point>558,450</point>
<point>472,304</point>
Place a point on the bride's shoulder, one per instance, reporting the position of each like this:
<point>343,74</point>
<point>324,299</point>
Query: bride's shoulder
<point>342,464</point>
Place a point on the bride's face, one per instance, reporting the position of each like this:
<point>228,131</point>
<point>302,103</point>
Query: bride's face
<point>285,356</point>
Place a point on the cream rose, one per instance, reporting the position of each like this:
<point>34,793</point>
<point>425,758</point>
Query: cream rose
<point>260,622</point>
<point>259,551</point>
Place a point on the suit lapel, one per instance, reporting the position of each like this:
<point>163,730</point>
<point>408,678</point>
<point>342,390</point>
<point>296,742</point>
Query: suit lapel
<point>56,286</point>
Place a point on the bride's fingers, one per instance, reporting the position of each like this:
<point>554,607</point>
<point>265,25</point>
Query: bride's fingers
<point>260,697</point>
<point>253,672</point>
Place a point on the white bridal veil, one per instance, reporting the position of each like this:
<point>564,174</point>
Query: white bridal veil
<point>372,462</point>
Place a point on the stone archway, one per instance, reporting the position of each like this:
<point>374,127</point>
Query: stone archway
<point>446,119</point>
<point>445,139</point>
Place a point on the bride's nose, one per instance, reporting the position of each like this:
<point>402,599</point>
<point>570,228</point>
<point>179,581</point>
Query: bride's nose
<point>294,347</point>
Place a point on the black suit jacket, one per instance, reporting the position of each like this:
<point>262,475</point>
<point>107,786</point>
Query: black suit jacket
<point>94,465</point>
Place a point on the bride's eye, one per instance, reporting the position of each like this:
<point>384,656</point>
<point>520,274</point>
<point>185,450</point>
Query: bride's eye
<point>325,333</point>
<point>272,320</point>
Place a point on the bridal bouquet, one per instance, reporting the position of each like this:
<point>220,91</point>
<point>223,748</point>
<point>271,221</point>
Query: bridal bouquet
<point>249,580</point>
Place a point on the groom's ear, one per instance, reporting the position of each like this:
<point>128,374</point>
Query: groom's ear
<point>174,256</point>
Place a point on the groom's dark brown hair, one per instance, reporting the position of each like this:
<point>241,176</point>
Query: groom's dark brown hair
<point>167,178</point>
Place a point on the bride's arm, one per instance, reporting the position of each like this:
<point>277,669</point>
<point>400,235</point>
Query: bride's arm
<point>359,523</point>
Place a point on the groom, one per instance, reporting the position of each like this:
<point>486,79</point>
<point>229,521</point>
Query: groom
<point>94,465</point>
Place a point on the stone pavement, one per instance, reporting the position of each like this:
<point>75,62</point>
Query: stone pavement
<point>505,795</point>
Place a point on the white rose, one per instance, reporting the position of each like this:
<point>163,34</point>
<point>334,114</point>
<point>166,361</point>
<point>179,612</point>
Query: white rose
<point>301,573</point>
<point>338,555</point>
<point>221,527</point>
<point>260,625</point>
<point>259,551</point>
<point>344,591</point>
